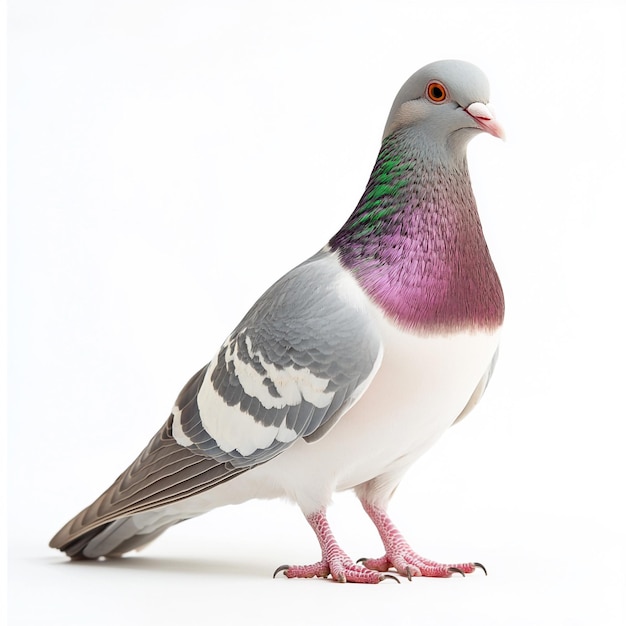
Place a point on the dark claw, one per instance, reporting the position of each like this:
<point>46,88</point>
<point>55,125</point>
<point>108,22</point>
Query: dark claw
<point>363,559</point>
<point>281,568</point>
<point>391,577</point>
<point>456,570</point>
<point>408,574</point>
<point>481,566</point>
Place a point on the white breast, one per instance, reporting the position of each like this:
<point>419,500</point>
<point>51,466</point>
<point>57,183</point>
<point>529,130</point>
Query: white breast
<point>422,386</point>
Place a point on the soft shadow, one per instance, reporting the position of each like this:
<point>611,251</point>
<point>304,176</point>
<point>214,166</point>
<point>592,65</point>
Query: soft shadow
<point>189,566</point>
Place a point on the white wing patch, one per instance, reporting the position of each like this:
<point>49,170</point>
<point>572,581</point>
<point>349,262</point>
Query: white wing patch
<point>292,384</point>
<point>177,429</point>
<point>234,429</point>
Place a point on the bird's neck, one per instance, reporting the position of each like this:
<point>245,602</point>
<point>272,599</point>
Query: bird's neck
<point>415,243</point>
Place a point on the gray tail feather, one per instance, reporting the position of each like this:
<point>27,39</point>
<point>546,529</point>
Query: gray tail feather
<point>74,549</point>
<point>111,540</point>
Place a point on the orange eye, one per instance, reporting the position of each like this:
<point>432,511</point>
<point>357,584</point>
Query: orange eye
<point>436,92</point>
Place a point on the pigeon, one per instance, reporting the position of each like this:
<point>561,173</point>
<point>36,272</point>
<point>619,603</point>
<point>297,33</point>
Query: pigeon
<point>346,369</point>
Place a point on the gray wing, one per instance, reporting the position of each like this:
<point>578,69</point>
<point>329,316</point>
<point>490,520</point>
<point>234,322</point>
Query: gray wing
<point>290,369</point>
<point>298,360</point>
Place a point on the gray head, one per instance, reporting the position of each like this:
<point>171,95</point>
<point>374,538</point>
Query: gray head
<point>446,100</point>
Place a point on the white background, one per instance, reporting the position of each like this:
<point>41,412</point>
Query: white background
<point>170,159</point>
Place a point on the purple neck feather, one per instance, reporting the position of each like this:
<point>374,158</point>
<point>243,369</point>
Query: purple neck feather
<point>416,246</point>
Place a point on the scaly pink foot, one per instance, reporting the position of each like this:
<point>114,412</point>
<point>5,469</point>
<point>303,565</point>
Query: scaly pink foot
<point>400,556</point>
<point>335,562</point>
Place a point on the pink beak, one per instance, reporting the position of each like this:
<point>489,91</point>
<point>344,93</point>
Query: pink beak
<point>485,118</point>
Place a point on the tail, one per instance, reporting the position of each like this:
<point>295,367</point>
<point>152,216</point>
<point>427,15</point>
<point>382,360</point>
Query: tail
<point>134,510</point>
<point>111,540</point>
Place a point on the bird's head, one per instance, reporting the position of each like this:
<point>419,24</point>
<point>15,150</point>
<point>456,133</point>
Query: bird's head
<point>447,102</point>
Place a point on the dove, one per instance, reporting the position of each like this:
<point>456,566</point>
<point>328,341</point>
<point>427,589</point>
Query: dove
<point>346,369</point>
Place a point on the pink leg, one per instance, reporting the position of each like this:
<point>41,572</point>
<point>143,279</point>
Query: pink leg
<point>334,560</point>
<point>400,556</point>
